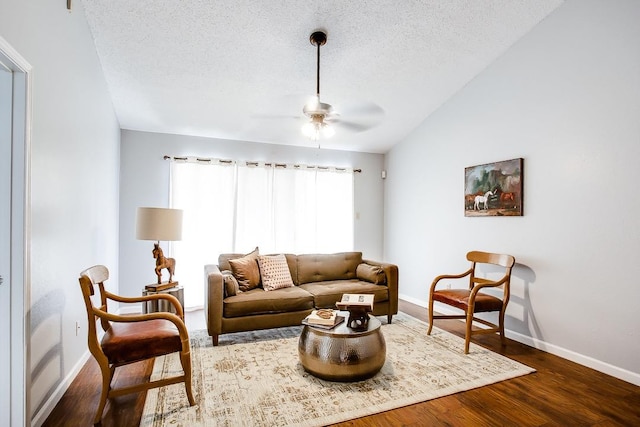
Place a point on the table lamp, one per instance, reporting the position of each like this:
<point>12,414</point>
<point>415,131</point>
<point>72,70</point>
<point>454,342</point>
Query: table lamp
<point>160,224</point>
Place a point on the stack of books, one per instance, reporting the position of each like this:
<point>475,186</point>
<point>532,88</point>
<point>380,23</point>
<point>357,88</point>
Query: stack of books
<point>324,318</point>
<point>160,286</point>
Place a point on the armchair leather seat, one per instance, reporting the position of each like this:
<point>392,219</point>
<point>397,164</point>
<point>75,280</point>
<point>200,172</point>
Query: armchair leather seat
<point>460,298</point>
<point>130,342</point>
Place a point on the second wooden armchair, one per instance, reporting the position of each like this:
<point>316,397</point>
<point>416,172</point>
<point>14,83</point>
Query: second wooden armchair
<point>472,300</point>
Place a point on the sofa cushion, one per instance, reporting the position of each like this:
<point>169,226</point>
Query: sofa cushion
<point>326,294</point>
<point>371,273</point>
<point>246,270</point>
<point>259,301</point>
<point>223,259</point>
<point>231,286</point>
<point>274,272</point>
<point>320,267</point>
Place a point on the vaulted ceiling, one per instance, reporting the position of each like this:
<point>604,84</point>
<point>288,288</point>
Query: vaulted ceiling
<point>243,69</point>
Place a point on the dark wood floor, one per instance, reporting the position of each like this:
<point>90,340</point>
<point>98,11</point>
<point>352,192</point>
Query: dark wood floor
<point>560,393</point>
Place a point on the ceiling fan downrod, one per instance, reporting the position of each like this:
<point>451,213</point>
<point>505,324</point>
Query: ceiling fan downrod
<point>318,38</point>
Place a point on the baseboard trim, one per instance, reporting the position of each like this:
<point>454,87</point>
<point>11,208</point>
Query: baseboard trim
<point>581,359</point>
<point>44,412</point>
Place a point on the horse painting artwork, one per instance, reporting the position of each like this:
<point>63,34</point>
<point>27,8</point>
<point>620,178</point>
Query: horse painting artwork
<point>162,262</point>
<point>482,200</point>
<point>494,189</point>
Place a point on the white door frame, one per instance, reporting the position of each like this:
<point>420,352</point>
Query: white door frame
<point>20,268</point>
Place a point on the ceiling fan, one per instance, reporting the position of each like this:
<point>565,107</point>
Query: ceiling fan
<point>317,111</point>
<point>323,117</point>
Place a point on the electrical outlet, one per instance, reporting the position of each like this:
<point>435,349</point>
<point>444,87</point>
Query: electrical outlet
<point>448,285</point>
<point>77,327</point>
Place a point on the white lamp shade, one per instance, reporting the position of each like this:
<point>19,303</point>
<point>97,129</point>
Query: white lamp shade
<point>159,224</point>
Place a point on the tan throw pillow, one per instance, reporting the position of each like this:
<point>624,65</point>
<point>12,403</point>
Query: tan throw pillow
<point>371,273</point>
<point>274,272</point>
<point>231,286</point>
<point>246,271</point>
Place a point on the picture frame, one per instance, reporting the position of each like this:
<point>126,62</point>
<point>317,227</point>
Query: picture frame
<point>494,189</point>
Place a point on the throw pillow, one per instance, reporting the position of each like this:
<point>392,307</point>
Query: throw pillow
<point>231,286</point>
<point>371,273</point>
<point>246,271</point>
<point>274,272</point>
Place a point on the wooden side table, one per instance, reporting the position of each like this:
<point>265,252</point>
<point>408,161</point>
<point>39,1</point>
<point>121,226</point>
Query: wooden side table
<point>163,305</point>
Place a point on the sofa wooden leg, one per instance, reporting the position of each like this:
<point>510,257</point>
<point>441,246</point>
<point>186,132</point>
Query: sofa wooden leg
<point>389,317</point>
<point>215,340</point>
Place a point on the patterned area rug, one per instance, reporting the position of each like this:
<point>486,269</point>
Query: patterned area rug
<point>256,379</point>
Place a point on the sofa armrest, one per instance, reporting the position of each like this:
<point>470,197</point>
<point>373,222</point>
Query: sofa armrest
<point>391,272</point>
<point>213,299</point>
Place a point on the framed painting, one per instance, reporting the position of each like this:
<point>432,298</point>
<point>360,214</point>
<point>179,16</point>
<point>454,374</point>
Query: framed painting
<point>494,189</point>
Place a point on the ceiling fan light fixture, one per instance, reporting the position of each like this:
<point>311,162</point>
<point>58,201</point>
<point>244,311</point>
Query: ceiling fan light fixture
<point>317,128</point>
<point>327,131</point>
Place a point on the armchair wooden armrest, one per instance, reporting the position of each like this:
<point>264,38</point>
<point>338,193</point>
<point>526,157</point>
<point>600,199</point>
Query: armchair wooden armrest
<point>173,318</point>
<point>143,298</point>
<point>449,276</point>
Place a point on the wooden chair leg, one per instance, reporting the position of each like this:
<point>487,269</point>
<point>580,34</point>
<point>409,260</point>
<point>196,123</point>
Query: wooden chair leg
<point>107,375</point>
<point>430,316</point>
<point>467,335</point>
<point>185,360</point>
<point>503,339</point>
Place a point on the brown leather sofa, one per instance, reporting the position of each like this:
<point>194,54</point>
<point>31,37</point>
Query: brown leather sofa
<point>319,282</point>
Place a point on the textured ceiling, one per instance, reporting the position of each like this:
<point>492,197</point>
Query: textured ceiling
<point>243,69</point>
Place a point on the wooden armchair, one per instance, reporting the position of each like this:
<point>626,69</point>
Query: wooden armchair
<point>129,339</point>
<point>472,300</point>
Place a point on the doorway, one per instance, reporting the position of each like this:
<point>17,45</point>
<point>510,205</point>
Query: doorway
<point>6,96</point>
<point>14,235</point>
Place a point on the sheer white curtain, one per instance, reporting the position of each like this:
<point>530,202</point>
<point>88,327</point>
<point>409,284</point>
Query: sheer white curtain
<point>294,209</point>
<point>205,192</point>
<point>231,207</point>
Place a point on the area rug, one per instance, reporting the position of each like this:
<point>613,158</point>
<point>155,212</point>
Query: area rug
<point>256,379</point>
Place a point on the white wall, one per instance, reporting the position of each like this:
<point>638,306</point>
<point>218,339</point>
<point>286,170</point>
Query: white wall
<point>566,98</point>
<point>144,179</point>
<point>74,184</point>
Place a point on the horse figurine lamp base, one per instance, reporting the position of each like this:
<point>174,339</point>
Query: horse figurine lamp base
<point>162,262</point>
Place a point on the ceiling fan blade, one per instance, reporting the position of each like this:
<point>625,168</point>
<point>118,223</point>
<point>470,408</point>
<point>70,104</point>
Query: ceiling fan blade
<point>356,116</point>
<point>363,109</point>
<point>270,116</point>
<point>351,126</point>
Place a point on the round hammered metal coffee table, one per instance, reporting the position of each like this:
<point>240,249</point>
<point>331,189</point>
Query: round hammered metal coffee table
<point>342,354</point>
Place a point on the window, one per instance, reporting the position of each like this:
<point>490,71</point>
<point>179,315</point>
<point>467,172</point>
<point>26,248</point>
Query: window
<point>231,207</point>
